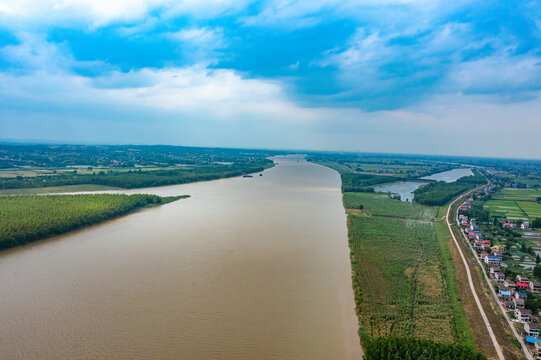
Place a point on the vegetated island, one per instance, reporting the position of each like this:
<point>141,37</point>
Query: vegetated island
<point>27,218</point>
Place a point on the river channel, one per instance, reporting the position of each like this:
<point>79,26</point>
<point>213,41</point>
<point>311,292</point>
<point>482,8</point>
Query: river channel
<point>247,268</point>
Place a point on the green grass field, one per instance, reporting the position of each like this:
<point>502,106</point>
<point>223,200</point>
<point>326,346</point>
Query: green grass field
<point>398,282</point>
<point>403,273</point>
<point>462,329</point>
<point>526,195</point>
<point>404,279</point>
<point>505,209</point>
<point>403,276</point>
<point>382,205</point>
<point>533,209</point>
<point>515,204</point>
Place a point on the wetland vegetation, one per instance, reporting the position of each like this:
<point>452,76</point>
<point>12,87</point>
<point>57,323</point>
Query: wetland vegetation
<point>27,218</point>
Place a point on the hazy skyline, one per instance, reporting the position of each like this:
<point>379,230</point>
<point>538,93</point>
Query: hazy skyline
<point>399,76</point>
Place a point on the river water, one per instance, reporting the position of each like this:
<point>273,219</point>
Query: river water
<point>449,176</point>
<point>247,268</point>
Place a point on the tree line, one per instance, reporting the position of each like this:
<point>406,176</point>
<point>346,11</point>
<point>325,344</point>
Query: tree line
<point>439,193</point>
<point>133,179</point>
<point>352,182</point>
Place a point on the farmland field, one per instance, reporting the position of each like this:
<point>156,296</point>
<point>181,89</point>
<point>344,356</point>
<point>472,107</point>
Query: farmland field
<point>398,281</point>
<point>531,208</point>
<point>515,204</point>
<point>403,276</point>
<point>527,195</point>
<point>383,205</point>
<point>505,208</point>
<point>398,275</point>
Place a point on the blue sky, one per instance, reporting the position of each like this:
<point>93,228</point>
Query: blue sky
<point>408,76</point>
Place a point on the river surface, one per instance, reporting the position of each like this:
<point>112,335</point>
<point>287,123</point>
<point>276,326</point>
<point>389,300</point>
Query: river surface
<point>404,189</point>
<point>247,268</point>
<point>449,176</point>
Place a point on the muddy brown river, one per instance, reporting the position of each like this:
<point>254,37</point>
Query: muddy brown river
<point>247,268</point>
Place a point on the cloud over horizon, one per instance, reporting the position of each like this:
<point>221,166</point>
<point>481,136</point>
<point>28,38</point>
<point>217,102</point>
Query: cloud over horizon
<point>431,78</point>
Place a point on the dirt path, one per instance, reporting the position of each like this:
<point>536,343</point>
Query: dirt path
<point>416,280</point>
<point>472,287</point>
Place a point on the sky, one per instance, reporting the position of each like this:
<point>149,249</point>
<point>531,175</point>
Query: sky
<point>397,76</point>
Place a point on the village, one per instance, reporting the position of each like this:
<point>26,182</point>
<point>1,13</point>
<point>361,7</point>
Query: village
<point>516,292</point>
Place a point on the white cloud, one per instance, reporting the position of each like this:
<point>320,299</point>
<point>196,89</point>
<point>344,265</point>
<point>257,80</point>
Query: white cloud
<point>299,13</point>
<point>499,73</point>
<point>199,45</point>
<point>220,93</point>
<point>204,36</point>
<point>196,105</point>
<point>22,14</point>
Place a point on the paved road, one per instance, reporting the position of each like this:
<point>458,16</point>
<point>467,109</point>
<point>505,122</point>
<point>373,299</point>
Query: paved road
<point>472,287</point>
<point>525,350</point>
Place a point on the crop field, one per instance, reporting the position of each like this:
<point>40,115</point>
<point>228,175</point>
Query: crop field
<point>525,195</point>
<point>515,204</point>
<point>383,205</point>
<point>399,286</point>
<point>505,208</point>
<point>404,280</point>
<point>531,208</point>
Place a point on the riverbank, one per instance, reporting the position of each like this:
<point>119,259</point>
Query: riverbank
<point>403,276</point>
<point>28,218</point>
<point>134,179</point>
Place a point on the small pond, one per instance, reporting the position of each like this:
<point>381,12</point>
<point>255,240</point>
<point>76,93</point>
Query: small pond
<point>404,189</point>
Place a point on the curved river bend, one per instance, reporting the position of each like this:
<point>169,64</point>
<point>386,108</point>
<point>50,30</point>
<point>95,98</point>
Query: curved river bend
<point>252,268</point>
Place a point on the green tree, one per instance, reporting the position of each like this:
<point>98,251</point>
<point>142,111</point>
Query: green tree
<point>537,271</point>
